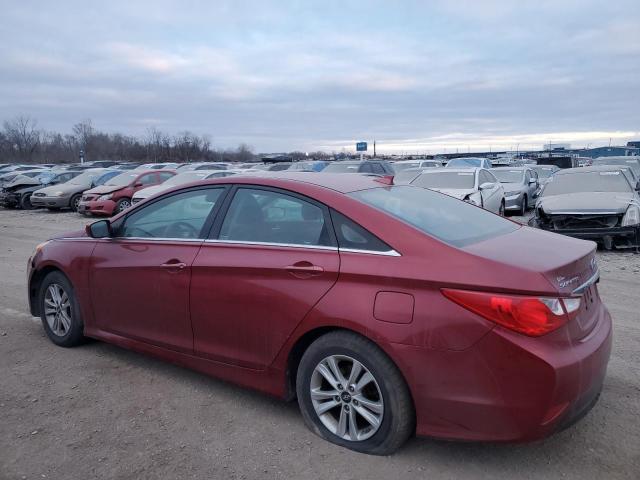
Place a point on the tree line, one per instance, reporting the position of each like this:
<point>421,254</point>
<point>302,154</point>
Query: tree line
<point>22,141</point>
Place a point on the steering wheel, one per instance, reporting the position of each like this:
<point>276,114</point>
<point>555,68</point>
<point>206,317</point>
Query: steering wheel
<point>182,230</point>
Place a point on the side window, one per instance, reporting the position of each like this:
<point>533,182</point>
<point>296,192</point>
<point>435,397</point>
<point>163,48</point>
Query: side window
<point>272,217</point>
<point>164,176</point>
<point>490,177</point>
<point>148,179</point>
<point>178,216</point>
<point>353,236</point>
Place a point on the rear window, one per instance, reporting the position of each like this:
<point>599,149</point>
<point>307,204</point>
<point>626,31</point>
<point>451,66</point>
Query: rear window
<point>452,221</point>
<point>342,168</point>
<point>508,176</point>
<point>606,181</point>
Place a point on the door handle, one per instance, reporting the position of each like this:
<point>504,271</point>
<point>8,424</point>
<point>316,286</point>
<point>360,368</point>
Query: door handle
<point>174,265</point>
<point>304,269</point>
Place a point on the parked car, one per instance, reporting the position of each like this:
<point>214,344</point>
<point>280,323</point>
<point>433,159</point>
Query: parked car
<point>545,172</point>
<point>11,177</point>
<point>66,195</point>
<point>631,162</point>
<point>18,194</point>
<point>469,162</point>
<point>157,166</point>
<point>387,310</point>
<point>115,195</point>
<point>473,185</point>
<point>520,186</point>
<point>179,179</point>
<point>407,164</point>
<point>374,167</point>
<point>597,203</point>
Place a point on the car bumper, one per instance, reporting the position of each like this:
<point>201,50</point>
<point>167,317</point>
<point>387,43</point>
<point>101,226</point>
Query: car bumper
<point>49,202</point>
<point>476,395</point>
<point>9,199</point>
<point>619,236</point>
<point>513,202</point>
<point>97,207</point>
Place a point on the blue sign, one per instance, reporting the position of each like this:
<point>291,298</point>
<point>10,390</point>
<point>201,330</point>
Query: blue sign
<point>361,147</point>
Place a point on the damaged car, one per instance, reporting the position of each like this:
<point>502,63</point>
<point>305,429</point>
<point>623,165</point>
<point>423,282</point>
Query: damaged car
<point>18,194</point>
<point>598,203</point>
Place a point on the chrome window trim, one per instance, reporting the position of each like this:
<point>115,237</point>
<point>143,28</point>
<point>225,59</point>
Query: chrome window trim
<point>593,279</point>
<point>387,253</point>
<point>268,244</point>
<point>145,239</point>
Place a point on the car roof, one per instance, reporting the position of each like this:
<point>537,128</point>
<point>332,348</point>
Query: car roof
<point>519,167</point>
<point>451,170</point>
<point>595,168</point>
<point>338,182</point>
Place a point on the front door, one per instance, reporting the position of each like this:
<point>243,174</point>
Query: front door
<point>140,278</point>
<point>273,259</point>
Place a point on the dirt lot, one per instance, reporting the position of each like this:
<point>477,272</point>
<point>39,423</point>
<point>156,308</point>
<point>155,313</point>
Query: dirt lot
<point>102,412</point>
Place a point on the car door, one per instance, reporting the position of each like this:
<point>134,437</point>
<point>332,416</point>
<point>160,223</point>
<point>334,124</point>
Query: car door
<point>140,277</point>
<point>269,260</point>
<point>491,197</point>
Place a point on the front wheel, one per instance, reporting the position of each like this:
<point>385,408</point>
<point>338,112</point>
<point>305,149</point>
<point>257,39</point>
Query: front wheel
<point>74,202</point>
<point>351,394</point>
<point>523,206</point>
<point>122,205</point>
<point>60,311</point>
<point>25,202</point>
<point>501,209</point>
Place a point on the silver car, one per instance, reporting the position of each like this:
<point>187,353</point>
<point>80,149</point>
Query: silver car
<point>520,187</point>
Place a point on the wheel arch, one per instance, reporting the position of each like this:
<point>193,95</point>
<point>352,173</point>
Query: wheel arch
<point>34,286</point>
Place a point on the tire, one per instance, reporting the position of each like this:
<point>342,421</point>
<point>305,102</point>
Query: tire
<point>523,206</point>
<point>122,205</point>
<point>501,209</point>
<point>73,203</point>
<point>64,327</point>
<point>25,202</point>
<point>387,392</point>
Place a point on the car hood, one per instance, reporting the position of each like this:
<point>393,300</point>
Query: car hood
<point>67,188</point>
<point>102,189</point>
<point>459,193</point>
<point>74,234</point>
<point>586,202</point>
<point>512,187</point>
<point>147,192</point>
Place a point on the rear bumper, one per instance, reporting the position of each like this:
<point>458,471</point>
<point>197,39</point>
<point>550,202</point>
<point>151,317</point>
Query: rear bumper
<point>507,387</point>
<point>97,207</point>
<point>49,202</point>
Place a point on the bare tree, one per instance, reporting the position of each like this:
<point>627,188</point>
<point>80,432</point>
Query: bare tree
<point>22,136</point>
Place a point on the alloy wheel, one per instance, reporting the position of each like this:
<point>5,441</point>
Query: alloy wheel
<point>57,310</point>
<point>123,205</point>
<point>347,398</point>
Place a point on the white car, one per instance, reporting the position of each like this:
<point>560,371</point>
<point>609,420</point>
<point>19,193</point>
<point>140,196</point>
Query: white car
<point>474,185</point>
<point>181,178</point>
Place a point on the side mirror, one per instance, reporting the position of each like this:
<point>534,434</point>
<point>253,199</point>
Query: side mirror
<point>487,186</point>
<point>99,229</point>
<point>137,184</point>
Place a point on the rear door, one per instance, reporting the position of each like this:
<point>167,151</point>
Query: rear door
<point>268,261</point>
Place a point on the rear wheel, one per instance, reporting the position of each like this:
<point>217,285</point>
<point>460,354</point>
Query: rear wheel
<point>74,202</point>
<point>60,311</point>
<point>122,205</point>
<point>351,394</point>
<point>25,202</point>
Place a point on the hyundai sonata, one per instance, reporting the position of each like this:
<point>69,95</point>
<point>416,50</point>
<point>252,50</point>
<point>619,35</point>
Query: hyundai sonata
<point>386,310</point>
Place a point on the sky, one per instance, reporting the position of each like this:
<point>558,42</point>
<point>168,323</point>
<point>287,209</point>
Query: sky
<point>416,76</point>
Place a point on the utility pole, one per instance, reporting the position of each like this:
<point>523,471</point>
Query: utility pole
<point>374,148</point>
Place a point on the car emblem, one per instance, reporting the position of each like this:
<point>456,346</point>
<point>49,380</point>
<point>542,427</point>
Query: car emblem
<point>565,282</point>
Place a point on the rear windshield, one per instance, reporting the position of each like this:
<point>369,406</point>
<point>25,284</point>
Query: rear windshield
<point>398,167</point>
<point>508,176</point>
<point>543,172</point>
<point>452,221</point>
<point>465,162</point>
<point>613,181</point>
<point>454,180</point>
<point>342,168</point>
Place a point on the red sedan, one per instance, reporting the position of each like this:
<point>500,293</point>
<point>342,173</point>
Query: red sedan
<point>386,310</point>
<point>116,194</point>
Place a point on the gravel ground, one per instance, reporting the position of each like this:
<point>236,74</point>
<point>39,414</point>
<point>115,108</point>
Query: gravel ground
<point>98,411</point>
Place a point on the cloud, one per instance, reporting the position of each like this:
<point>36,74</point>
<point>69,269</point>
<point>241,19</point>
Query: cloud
<point>300,75</point>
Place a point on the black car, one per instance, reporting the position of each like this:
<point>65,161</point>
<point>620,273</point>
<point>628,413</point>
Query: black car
<point>18,195</point>
<point>373,167</point>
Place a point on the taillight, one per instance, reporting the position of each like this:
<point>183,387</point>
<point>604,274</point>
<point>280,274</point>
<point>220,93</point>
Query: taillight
<point>533,316</point>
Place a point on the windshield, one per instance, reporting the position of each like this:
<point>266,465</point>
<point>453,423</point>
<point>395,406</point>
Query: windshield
<point>544,172</point>
<point>508,176</point>
<point>187,177</point>
<point>83,179</point>
<point>122,180</point>
<point>612,181</point>
<point>463,180</point>
<point>453,221</point>
<point>465,162</point>
<point>46,177</point>
<point>340,167</point>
